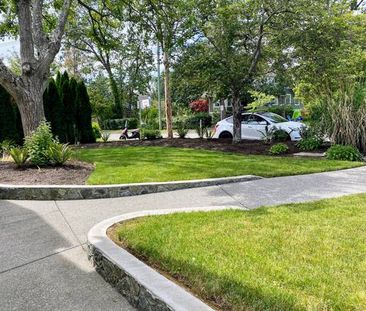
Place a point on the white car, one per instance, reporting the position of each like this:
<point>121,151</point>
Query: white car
<point>254,125</point>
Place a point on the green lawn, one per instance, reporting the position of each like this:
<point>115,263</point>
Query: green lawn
<point>149,164</point>
<point>294,257</point>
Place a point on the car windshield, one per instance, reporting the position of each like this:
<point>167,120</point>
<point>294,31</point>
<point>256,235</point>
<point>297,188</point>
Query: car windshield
<point>274,118</point>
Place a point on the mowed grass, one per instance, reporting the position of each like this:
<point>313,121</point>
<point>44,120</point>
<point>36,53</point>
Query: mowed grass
<point>152,164</point>
<point>294,257</point>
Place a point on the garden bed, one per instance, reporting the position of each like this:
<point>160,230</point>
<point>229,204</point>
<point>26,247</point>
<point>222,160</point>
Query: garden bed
<point>293,257</point>
<point>226,145</point>
<point>73,173</point>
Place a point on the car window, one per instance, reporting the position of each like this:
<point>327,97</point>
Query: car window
<point>244,118</point>
<point>255,119</point>
<point>273,117</point>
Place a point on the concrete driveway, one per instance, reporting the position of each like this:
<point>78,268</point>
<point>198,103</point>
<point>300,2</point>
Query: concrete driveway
<point>43,264</point>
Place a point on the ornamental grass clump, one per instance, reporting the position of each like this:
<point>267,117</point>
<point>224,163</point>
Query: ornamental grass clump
<point>343,115</point>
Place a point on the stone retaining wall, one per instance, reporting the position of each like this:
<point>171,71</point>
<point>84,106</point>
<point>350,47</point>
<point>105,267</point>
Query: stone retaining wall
<point>75,192</point>
<point>143,287</point>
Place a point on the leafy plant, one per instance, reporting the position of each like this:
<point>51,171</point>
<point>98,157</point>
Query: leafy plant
<point>105,136</point>
<point>19,156</point>
<point>182,130</point>
<point>310,144</point>
<point>343,152</point>
<point>39,143</point>
<point>280,135</point>
<point>209,133</point>
<point>200,131</point>
<point>59,154</point>
<point>268,134</point>
<point>150,134</point>
<point>278,149</point>
<point>6,146</point>
<point>96,130</point>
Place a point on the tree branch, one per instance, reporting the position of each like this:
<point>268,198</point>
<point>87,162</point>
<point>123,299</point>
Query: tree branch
<point>8,79</point>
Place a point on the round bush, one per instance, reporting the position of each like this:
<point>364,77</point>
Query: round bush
<point>309,144</point>
<point>343,152</point>
<point>278,149</point>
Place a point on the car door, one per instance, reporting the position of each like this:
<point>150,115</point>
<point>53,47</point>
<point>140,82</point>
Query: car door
<point>255,127</point>
<point>245,131</point>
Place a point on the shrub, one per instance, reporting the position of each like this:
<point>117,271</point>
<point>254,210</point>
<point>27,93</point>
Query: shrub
<point>200,105</point>
<point>343,152</point>
<point>59,153</point>
<point>96,130</point>
<point>182,130</point>
<point>280,135</point>
<point>309,144</point>
<point>150,134</point>
<point>105,136</point>
<point>19,156</point>
<point>39,143</point>
<point>194,120</point>
<point>278,149</point>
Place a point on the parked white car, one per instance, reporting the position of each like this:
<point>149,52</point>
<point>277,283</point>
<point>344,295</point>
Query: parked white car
<point>254,125</point>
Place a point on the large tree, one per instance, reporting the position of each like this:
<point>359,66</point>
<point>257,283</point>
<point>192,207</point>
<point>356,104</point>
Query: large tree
<point>40,26</point>
<point>100,31</point>
<point>238,37</point>
<point>172,24</point>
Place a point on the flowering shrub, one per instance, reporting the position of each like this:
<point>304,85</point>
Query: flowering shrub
<point>200,105</point>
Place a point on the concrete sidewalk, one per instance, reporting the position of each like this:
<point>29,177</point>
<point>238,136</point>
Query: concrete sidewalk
<point>43,265</point>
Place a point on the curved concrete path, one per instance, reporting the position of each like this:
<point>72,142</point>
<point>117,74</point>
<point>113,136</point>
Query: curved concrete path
<point>43,265</point>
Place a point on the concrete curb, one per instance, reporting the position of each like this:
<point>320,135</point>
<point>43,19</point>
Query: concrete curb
<point>80,192</point>
<point>144,288</point>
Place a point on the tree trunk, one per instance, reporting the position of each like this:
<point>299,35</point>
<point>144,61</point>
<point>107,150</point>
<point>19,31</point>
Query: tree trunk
<point>117,99</point>
<point>30,104</point>
<point>236,118</point>
<point>168,99</point>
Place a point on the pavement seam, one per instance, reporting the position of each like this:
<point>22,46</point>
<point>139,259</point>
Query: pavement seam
<point>40,259</point>
<point>232,197</point>
<point>68,224</point>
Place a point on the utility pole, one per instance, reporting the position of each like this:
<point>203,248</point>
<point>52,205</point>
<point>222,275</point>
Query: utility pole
<point>158,87</point>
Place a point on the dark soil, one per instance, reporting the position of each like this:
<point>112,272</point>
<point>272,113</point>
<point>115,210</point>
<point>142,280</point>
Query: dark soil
<point>244,147</point>
<point>73,173</point>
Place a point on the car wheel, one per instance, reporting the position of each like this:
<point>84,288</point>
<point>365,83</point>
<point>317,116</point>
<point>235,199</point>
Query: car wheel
<point>226,135</point>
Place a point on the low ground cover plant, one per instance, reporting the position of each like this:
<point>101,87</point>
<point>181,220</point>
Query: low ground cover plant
<point>105,136</point>
<point>306,256</point>
<point>346,153</point>
<point>278,149</point>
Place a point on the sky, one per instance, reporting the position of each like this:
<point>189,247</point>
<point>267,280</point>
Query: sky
<point>8,48</point>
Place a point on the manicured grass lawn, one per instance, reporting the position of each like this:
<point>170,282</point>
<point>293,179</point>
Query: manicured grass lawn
<point>294,257</point>
<point>149,164</point>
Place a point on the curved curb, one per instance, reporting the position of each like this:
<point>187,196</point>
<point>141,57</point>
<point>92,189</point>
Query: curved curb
<point>144,287</point>
<point>80,192</point>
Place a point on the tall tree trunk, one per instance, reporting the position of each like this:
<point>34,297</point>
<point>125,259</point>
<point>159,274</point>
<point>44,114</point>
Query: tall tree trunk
<point>236,118</point>
<point>116,95</point>
<point>168,99</point>
<point>30,104</point>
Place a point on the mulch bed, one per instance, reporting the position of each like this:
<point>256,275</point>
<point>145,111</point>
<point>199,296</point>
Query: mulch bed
<point>244,147</point>
<point>73,173</point>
